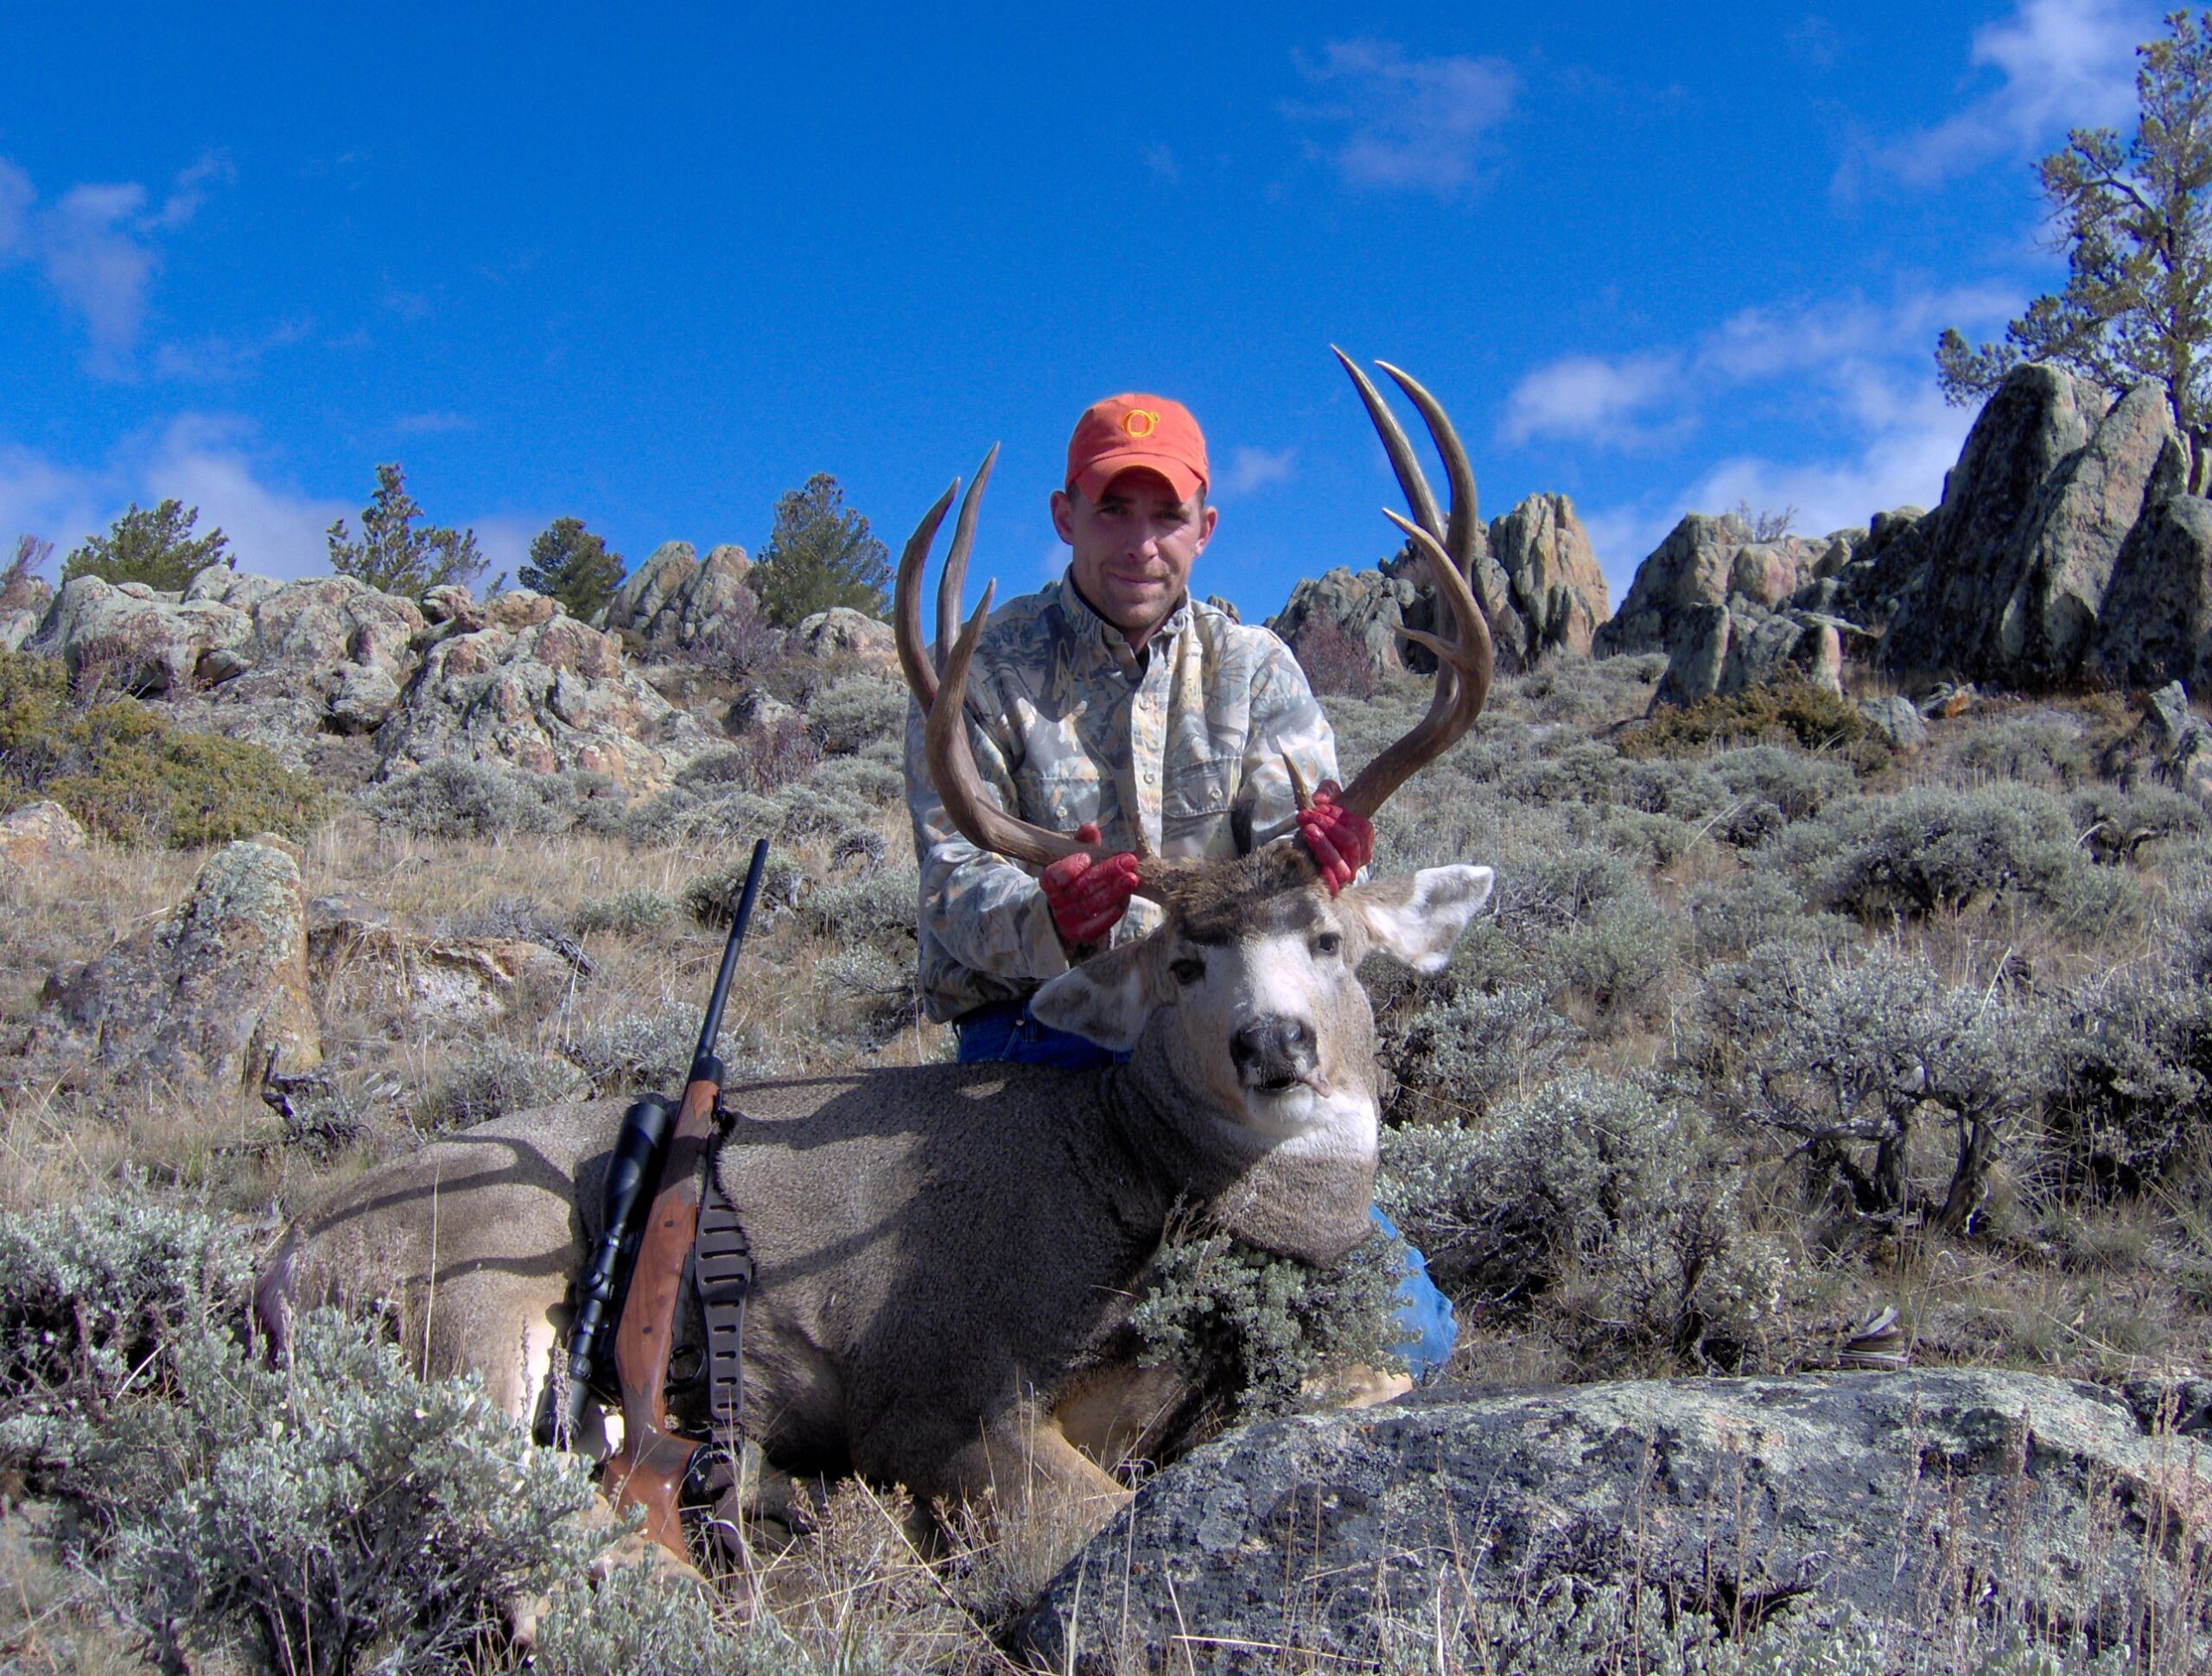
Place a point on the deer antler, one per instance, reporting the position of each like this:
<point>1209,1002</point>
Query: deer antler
<point>1463,658</point>
<point>942,692</point>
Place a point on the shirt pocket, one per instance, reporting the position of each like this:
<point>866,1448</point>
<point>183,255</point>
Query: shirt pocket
<point>1194,804</point>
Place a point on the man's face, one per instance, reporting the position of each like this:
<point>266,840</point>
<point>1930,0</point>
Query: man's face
<point>1135,546</point>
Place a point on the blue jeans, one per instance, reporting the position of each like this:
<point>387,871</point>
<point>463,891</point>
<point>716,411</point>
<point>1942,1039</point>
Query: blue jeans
<point>1008,1032</point>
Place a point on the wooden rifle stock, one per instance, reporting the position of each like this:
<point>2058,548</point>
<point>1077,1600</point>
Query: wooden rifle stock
<point>649,1470</point>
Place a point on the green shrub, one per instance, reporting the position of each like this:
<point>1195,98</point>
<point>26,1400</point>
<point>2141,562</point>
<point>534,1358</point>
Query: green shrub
<point>641,1052</point>
<point>2134,1079</point>
<point>125,774</point>
<point>1460,1054</point>
<point>463,797</point>
<point>338,1513</point>
<point>1795,712</point>
<point>94,1298</point>
<point>711,898</point>
<point>706,813</point>
<point>862,780</point>
<point>1859,1052</point>
<point>763,760</point>
<point>2041,748</point>
<point>641,1622</point>
<point>630,913</point>
<point>1253,1327</point>
<point>490,1080</point>
<point>880,908</point>
<point>1928,850</point>
<point>857,711</point>
<point>1796,784</point>
<point>1732,914</point>
<point>1610,1206</point>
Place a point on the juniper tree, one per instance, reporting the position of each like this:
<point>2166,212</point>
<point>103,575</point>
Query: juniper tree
<point>820,555</point>
<point>570,564</point>
<point>156,547</point>
<point>2132,220</point>
<point>394,556</point>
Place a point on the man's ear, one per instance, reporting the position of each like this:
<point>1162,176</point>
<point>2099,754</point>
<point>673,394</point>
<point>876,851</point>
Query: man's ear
<point>1108,997</point>
<point>1416,919</point>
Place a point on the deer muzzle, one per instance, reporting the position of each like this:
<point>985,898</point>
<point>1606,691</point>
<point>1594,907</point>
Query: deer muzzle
<point>1273,1054</point>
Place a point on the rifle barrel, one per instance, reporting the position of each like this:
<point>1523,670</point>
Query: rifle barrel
<point>704,1063</point>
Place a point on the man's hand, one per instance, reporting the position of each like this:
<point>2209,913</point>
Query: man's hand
<point>1087,897</point>
<point>1342,843</point>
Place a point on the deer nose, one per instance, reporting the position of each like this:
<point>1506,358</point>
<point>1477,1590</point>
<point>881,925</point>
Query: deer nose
<point>1272,1052</point>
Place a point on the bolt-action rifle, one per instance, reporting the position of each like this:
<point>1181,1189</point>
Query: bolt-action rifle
<point>649,1470</point>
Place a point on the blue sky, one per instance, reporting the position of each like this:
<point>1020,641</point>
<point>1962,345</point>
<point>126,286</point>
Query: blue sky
<point>652,272</point>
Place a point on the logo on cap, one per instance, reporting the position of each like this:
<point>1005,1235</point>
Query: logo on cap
<point>1139,422</point>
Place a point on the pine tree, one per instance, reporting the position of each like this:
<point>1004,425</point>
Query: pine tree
<point>395,557</point>
<point>570,564</point>
<point>156,547</point>
<point>819,555</point>
<point>2136,225</point>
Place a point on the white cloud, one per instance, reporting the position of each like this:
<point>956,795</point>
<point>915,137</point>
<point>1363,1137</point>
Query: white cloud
<point>430,425</point>
<point>218,359</point>
<point>96,247</point>
<point>1254,468</point>
<point>213,462</point>
<point>2064,63</point>
<point>1588,396</point>
<point>1411,123</point>
<point>1161,162</point>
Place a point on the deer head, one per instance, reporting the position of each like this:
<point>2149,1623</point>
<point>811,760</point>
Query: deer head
<point>1248,989</point>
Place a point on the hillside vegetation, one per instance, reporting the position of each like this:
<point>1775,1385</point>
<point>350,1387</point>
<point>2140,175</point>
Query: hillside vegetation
<point>1773,1029</point>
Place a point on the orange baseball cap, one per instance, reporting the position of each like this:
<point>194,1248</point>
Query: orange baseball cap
<point>1149,431</point>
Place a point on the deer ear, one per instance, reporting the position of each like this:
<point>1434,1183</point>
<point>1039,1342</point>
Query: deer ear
<point>1417,918</point>
<point>1107,997</point>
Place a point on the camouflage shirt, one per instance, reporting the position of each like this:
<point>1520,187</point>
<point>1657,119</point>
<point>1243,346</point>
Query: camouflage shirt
<point>1186,744</point>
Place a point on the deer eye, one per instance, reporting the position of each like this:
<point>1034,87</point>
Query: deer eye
<point>1329,943</point>
<point>1187,971</point>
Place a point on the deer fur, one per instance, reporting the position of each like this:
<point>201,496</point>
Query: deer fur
<point>948,1255</point>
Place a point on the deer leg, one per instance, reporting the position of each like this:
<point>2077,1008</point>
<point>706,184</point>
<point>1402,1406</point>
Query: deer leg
<point>1024,1459</point>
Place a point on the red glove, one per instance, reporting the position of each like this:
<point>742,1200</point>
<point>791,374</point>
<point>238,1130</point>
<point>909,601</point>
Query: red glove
<point>1087,897</point>
<point>1342,842</point>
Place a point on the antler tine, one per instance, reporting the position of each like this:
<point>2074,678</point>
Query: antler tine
<point>954,578</point>
<point>942,694</point>
<point>1403,461</point>
<point>1460,537</point>
<point>906,602</point>
<point>1455,705</point>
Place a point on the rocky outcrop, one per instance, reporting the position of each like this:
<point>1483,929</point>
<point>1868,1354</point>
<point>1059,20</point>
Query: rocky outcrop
<point>215,995</point>
<point>2156,622</point>
<point>279,664</point>
<point>674,600</point>
<point>519,682</point>
<point>1366,605</point>
<point>1731,611</point>
<point>442,981</point>
<point>2011,570</point>
<point>1553,579</point>
<point>1534,570</point>
<point>843,632</point>
<point>1745,1504</point>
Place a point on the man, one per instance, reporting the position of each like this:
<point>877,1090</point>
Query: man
<point>1115,707</point>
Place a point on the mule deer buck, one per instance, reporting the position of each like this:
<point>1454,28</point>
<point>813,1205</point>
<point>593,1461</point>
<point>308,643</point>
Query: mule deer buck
<point>948,1255</point>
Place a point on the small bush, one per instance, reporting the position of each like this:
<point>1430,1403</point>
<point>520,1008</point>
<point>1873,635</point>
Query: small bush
<point>1795,712</point>
<point>880,909</point>
<point>711,898</point>
<point>764,759</point>
<point>2042,748</point>
<point>1611,1206</point>
<point>862,780</point>
<point>1335,662</point>
<point>1931,850</point>
<point>94,1297</point>
<point>461,798</point>
<point>1798,784</point>
<point>627,913</point>
<point>491,1080</point>
<point>650,1052</point>
<point>1728,916</point>
<point>125,774</point>
<point>2133,1074</point>
<point>339,1512</point>
<point>705,814</point>
<point>640,1622</point>
<point>1237,1321</point>
<point>855,711</point>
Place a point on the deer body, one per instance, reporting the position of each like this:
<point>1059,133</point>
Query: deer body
<point>947,1255</point>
